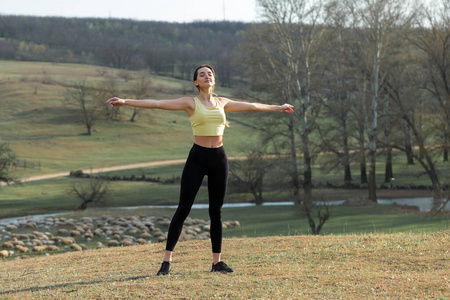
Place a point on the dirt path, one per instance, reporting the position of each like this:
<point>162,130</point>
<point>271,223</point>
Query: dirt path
<point>108,169</point>
<point>116,168</point>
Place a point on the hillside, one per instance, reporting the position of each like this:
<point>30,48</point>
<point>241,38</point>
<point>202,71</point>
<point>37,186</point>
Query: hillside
<point>44,131</point>
<point>378,266</point>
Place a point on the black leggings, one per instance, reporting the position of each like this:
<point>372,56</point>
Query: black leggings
<point>202,161</point>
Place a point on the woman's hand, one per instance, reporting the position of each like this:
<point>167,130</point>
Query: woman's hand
<point>287,108</point>
<point>115,101</point>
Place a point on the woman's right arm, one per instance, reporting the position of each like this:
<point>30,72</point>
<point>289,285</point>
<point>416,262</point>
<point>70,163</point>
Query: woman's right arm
<point>184,103</point>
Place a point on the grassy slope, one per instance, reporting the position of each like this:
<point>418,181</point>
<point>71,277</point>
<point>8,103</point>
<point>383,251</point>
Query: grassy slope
<point>403,265</point>
<point>43,130</point>
<point>378,266</point>
<point>44,133</point>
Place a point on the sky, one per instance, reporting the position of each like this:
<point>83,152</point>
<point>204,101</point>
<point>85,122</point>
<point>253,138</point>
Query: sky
<point>179,11</point>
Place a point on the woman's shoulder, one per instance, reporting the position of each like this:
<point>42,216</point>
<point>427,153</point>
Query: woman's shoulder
<point>224,100</point>
<point>186,99</point>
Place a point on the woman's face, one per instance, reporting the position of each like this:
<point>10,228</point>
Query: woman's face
<point>205,78</point>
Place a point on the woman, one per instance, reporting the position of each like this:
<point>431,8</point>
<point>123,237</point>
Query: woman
<point>207,156</point>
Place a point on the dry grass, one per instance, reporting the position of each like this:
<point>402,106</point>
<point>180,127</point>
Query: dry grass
<point>379,266</point>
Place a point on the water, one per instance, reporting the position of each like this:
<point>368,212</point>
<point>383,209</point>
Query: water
<point>205,205</point>
<point>424,204</point>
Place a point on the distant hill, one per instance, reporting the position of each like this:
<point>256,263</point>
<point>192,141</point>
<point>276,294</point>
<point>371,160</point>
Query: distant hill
<point>172,49</point>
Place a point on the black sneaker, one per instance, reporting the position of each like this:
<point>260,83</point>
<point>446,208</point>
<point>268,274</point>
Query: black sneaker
<point>221,267</point>
<point>165,268</point>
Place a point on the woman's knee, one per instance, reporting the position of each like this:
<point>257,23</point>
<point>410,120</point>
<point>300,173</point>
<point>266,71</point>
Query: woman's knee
<point>215,214</point>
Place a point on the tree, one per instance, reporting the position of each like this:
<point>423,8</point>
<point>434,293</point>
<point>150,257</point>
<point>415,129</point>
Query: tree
<point>339,89</point>
<point>295,52</point>
<point>86,107</point>
<point>296,37</point>
<point>7,161</point>
<point>119,53</point>
<point>141,89</point>
<point>101,91</point>
<point>433,39</point>
<point>91,190</point>
<point>406,85</point>
<point>380,21</point>
<point>270,80</point>
<point>251,171</point>
<point>388,124</point>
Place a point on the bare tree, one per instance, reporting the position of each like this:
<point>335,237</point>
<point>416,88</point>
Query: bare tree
<point>322,216</point>
<point>251,171</point>
<point>296,36</point>
<point>119,53</point>
<point>268,75</point>
<point>141,88</point>
<point>405,86</point>
<point>295,54</point>
<point>91,190</point>
<point>339,90</point>
<point>103,90</point>
<point>86,107</point>
<point>379,21</point>
<point>410,111</point>
<point>433,39</point>
<point>388,124</point>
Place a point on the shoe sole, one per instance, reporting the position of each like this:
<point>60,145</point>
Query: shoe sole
<point>224,272</point>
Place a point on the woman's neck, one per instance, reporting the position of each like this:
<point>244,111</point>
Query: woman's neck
<point>206,95</point>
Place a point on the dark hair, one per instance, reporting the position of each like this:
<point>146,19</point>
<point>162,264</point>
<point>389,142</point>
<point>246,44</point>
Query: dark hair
<point>198,68</point>
<point>203,66</point>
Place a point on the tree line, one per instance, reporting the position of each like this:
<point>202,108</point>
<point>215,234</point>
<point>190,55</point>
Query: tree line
<point>171,49</point>
<point>365,76</point>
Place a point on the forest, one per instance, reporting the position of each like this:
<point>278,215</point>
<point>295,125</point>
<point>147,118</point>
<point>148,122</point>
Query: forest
<point>367,77</point>
<point>171,49</point>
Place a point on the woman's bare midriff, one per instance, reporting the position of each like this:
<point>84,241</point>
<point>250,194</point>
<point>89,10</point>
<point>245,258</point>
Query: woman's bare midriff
<point>209,141</point>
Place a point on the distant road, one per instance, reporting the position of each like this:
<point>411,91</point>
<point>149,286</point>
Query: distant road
<point>109,169</point>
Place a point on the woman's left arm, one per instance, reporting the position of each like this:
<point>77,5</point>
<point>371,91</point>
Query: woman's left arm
<point>238,106</point>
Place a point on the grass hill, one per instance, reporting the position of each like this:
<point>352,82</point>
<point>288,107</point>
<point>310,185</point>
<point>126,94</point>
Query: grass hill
<point>47,138</point>
<point>375,266</point>
<point>269,262</point>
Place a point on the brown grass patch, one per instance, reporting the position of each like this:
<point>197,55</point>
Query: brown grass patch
<point>388,266</point>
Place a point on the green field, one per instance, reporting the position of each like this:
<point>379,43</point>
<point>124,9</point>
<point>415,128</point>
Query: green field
<point>42,129</point>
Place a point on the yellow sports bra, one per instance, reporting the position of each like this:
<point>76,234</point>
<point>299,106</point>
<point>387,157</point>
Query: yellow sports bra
<point>208,121</point>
